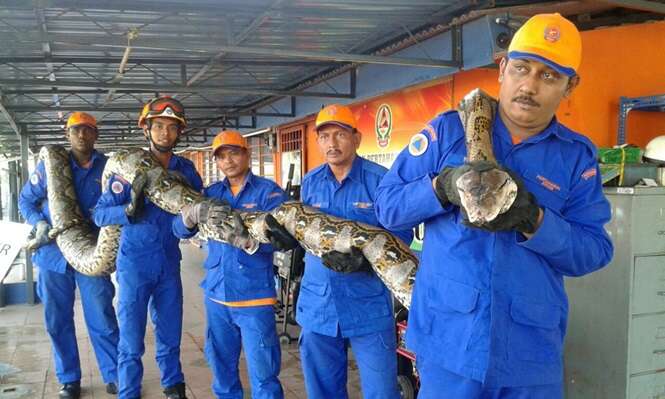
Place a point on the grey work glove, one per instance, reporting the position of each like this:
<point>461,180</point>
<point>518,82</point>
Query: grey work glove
<point>218,215</point>
<point>222,216</point>
<point>522,216</point>
<point>351,262</point>
<point>41,236</point>
<point>136,195</point>
<point>280,238</point>
<point>194,214</point>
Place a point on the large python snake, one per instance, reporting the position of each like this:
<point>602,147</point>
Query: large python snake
<point>317,232</point>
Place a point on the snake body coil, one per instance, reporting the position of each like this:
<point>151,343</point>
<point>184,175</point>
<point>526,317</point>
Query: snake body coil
<point>95,255</point>
<point>484,195</point>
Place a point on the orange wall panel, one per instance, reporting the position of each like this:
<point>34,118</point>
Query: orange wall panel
<point>620,61</point>
<point>617,61</point>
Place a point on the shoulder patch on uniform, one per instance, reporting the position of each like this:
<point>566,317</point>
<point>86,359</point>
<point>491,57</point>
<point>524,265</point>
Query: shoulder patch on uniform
<point>432,133</point>
<point>589,173</point>
<point>116,187</point>
<point>34,179</point>
<point>418,145</point>
<point>275,194</point>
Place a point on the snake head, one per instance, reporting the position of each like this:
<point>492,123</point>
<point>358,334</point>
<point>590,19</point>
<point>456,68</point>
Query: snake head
<point>486,191</point>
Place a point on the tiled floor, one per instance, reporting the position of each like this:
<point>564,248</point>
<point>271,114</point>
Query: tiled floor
<point>27,371</point>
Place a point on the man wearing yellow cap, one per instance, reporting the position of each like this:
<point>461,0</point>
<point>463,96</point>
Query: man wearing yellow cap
<point>489,309</point>
<point>57,281</point>
<point>239,286</point>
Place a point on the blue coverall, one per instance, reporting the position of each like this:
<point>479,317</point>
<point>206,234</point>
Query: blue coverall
<point>335,309</point>
<point>57,281</point>
<point>148,275</point>
<point>235,278</point>
<point>489,310</point>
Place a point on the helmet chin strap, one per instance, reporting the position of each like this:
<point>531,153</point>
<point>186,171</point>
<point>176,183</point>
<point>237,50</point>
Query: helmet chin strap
<point>161,148</point>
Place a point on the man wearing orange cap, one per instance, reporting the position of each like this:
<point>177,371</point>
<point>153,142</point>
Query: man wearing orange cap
<point>239,286</point>
<point>342,302</point>
<point>489,309</point>
<point>148,262</point>
<point>57,280</point>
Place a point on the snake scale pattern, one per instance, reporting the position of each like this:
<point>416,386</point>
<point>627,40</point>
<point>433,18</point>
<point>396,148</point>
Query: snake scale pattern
<point>317,232</point>
<point>491,192</point>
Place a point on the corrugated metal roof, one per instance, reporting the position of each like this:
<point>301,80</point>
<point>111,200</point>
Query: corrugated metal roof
<point>220,57</point>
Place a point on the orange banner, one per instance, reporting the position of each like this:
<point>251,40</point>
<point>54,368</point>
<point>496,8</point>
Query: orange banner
<point>388,122</point>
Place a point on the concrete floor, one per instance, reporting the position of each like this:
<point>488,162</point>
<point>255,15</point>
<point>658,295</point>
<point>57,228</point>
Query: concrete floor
<point>27,370</point>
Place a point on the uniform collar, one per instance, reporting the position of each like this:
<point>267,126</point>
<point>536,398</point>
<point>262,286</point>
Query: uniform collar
<point>551,129</point>
<point>249,179</point>
<point>354,174</point>
<point>94,158</point>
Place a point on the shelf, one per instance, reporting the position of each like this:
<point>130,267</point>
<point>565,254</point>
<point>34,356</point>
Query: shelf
<point>627,104</point>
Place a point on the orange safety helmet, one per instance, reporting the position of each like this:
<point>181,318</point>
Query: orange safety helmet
<point>231,138</point>
<point>163,107</point>
<point>81,118</point>
<point>336,114</point>
<point>550,39</point>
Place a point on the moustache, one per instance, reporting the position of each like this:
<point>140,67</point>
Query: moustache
<point>333,152</point>
<point>526,100</point>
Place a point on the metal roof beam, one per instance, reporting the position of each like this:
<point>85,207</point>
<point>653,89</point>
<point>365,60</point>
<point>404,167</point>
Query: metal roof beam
<point>46,47</point>
<point>10,119</point>
<point>140,87</point>
<point>104,122</point>
<point>119,108</point>
<point>284,53</point>
<point>242,36</point>
<point>107,130</point>
<point>642,5</point>
<point>161,61</point>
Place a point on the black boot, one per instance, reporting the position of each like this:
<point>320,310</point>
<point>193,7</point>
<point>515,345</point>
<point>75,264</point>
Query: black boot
<point>176,391</point>
<point>70,390</point>
<point>111,388</point>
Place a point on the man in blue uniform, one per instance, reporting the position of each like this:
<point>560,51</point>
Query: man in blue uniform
<point>239,286</point>
<point>148,263</point>
<point>57,280</point>
<point>336,309</point>
<point>489,309</point>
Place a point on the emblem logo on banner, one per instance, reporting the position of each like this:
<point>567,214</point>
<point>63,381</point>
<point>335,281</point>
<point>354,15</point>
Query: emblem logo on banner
<point>383,125</point>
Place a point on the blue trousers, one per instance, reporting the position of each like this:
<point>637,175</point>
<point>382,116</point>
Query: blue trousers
<point>57,293</point>
<point>439,383</point>
<point>254,329</point>
<point>324,362</point>
<point>138,291</point>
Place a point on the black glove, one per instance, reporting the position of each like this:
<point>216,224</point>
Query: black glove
<point>446,182</point>
<point>522,216</point>
<point>136,194</point>
<point>280,238</point>
<point>445,187</point>
<point>347,263</point>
